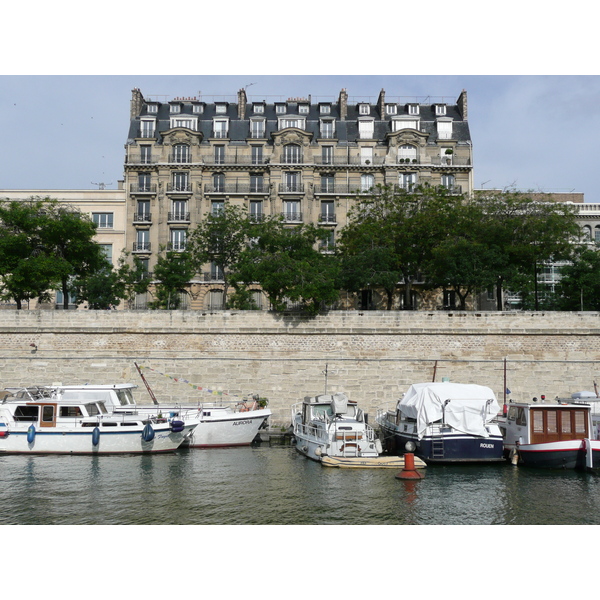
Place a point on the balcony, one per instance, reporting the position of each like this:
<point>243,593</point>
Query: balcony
<point>179,188</point>
<point>180,160</point>
<point>327,218</point>
<point>237,188</point>
<point>211,276</point>
<point>233,159</point>
<point>141,246</point>
<point>349,160</point>
<point>176,246</point>
<point>142,188</point>
<point>291,188</point>
<point>137,159</point>
<point>451,160</point>
<point>178,217</point>
<point>143,217</point>
<point>292,217</point>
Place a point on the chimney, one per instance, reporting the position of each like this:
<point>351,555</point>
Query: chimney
<point>462,104</point>
<point>343,104</point>
<point>242,102</point>
<point>136,104</point>
<point>381,104</point>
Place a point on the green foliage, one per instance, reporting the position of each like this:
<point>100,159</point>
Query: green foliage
<point>172,273</point>
<point>579,286</point>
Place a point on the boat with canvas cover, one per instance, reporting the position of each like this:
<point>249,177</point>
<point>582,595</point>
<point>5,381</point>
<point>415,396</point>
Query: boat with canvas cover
<point>446,422</point>
<point>331,429</point>
<point>556,435</point>
<point>39,420</point>
<point>217,424</point>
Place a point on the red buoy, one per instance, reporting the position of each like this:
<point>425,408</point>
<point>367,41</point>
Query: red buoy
<point>409,471</point>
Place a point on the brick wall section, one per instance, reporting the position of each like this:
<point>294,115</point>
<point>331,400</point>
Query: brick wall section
<point>372,356</point>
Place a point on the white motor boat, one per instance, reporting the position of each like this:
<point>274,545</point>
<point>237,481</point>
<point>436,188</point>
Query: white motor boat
<point>446,422</point>
<point>40,420</point>
<point>331,429</point>
<point>217,424</point>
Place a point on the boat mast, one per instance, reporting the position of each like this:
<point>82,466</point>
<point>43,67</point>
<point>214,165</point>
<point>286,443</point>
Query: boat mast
<point>325,372</point>
<point>146,384</point>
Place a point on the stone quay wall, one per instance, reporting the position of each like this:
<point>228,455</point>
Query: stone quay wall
<point>192,356</point>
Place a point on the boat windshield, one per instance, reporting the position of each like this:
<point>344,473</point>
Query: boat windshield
<point>125,397</point>
<point>95,408</point>
<point>321,411</point>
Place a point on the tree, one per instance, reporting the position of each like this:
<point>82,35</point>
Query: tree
<point>288,266</point>
<point>26,270</point>
<point>219,239</point>
<point>391,235</point>
<point>172,273</point>
<point>522,230</point>
<point>579,287</point>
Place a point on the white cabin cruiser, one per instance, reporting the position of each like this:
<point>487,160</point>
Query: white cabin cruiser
<point>217,424</point>
<point>447,422</point>
<point>559,435</point>
<point>331,429</point>
<point>39,420</point>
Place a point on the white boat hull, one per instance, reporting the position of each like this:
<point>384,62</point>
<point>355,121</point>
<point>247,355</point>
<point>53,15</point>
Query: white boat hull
<point>81,440</point>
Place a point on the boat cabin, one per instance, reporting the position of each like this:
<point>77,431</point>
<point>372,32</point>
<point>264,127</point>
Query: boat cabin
<point>325,407</point>
<point>542,423</point>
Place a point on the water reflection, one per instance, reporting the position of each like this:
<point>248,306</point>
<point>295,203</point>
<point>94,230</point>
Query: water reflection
<point>276,486</point>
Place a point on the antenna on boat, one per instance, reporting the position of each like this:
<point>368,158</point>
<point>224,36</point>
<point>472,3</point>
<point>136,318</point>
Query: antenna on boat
<point>325,373</point>
<point>434,371</point>
<point>146,384</point>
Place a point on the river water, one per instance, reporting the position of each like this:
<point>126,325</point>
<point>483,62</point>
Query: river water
<point>276,486</point>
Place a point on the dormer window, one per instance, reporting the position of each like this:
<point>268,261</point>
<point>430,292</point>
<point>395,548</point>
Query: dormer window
<point>303,109</point>
<point>280,108</point>
<point>188,122</point>
<point>399,123</point>
<point>413,109</point>
<point>366,129</point>
<point>444,128</point>
<point>325,109</point>
<point>258,109</point>
<point>297,122</point>
<point>221,108</point>
<point>364,109</point>
<point>440,110</point>
<point>391,109</point>
<point>198,109</point>
<point>152,108</point>
<point>175,108</point>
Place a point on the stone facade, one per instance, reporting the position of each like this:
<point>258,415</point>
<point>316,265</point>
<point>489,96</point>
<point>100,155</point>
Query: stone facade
<point>373,356</point>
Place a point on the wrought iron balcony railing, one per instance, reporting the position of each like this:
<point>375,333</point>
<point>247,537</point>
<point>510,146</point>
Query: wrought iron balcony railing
<point>141,246</point>
<point>142,188</point>
<point>143,217</point>
<point>179,217</point>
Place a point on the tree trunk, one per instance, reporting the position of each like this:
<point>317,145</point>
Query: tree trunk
<point>499,305</point>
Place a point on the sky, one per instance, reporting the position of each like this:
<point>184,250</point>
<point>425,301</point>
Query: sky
<point>534,103</point>
<point>529,132</point>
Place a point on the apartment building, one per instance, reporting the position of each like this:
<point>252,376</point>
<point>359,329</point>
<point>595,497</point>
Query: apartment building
<point>307,160</point>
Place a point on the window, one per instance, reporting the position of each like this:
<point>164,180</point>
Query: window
<point>280,109</point>
<point>218,182</point>
<point>327,183</point>
<point>217,207</point>
<point>364,109</point>
<point>257,128</point>
<point>303,109</point>
<point>328,244</point>
<point>367,181</point>
<point>175,108</point>
<point>444,130</point>
<point>143,210</point>
<point>366,129</point>
<point>327,155</point>
<point>189,123</point>
<point>325,109</point>
<point>147,128</point>
<point>181,153</point>
<point>297,122</point>
<point>142,240</point>
<point>145,154</point>
<point>291,210</point>
<point>144,182</point>
<point>399,124</point>
<point>257,155</point>
<point>181,182</point>
<point>221,108</point>
<point>215,300</point>
<point>107,250</point>
<point>366,156</point>
<point>259,109</point>
<point>180,210</point>
<point>413,109</point>
<point>327,129</point>
<point>292,181</point>
<point>219,155</point>
<point>216,272</point>
<point>440,109</point>
<point>407,181</point>
<point>292,154</point>
<point>152,108</point>
<point>220,127</point>
<point>407,152</point>
<point>198,109</point>
<point>103,220</point>
<point>178,238</point>
<point>256,182</point>
<point>327,212</point>
<point>391,109</point>
<point>448,181</point>
<point>256,210</point>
